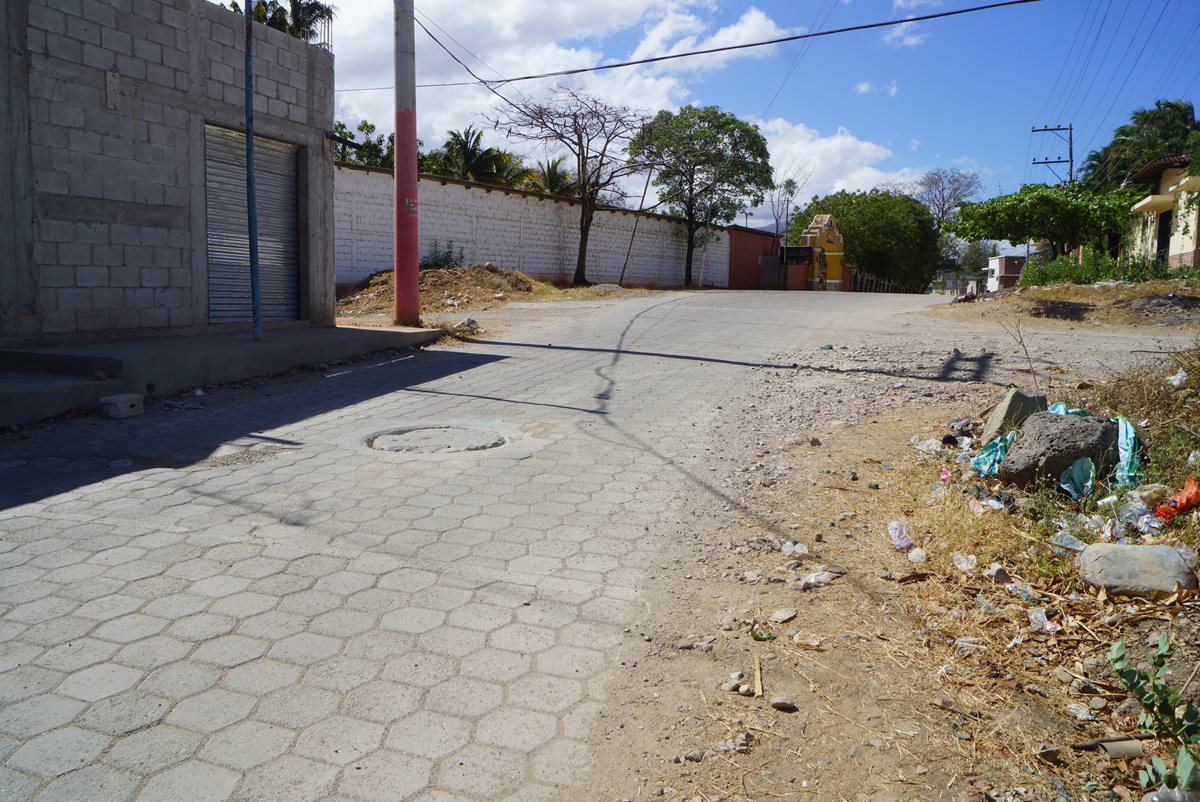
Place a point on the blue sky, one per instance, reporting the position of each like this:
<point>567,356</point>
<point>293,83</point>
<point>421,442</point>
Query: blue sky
<point>859,108</point>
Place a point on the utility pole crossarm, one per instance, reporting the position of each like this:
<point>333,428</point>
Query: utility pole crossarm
<point>1058,130</point>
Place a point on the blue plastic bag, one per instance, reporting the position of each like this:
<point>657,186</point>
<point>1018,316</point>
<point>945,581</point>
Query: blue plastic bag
<point>1077,480</point>
<point>1129,466</point>
<point>1060,408</point>
<point>988,460</point>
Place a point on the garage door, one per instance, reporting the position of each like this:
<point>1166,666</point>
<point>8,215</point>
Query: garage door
<point>278,227</point>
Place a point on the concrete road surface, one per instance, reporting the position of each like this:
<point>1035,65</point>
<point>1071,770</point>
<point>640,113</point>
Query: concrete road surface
<point>236,597</point>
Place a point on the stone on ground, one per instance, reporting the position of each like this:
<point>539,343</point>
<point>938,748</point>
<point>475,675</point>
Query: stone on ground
<point>1049,444</point>
<point>1130,570</point>
<point>1011,412</point>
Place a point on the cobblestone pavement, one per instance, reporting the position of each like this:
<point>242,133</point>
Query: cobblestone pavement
<point>242,600</point>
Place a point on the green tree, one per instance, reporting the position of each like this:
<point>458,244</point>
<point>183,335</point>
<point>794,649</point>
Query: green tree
<point>463,156</point>
<point>974,259</point>
<point>1062,216</point>
<point>373,151</point>
<point>551,178</point>
<point>886,235</point>
<point>302,19</point>
<point>511,171</point>
<point>709,166</point>
<point>1168,129</point>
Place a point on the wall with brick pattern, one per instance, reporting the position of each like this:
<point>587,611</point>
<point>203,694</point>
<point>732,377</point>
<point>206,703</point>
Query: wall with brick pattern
<point>535,234</point>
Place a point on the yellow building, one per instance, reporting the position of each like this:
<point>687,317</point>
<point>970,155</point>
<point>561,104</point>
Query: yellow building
<point>1167,223</point>
<point>824,238</point>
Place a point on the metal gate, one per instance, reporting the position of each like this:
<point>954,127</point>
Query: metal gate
<point>278,227</point>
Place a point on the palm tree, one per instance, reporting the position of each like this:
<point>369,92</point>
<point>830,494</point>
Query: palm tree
<point>463,156</point>
<point>511,171</point>
<point>551,179</point>
<point>1161,131</point>
<point>307,17</point>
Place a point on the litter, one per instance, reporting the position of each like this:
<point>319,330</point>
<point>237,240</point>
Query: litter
<point>1129,463</point>
<point>1062,542</point>
<point>1181,501</point>
<point>898,532</point>
<point>1077,480</point>
<point>964,562</point>
<point>1179,380</point>
<point>1060,408</point>
<point>945,475</point>
<point>1080,712</point>
<point>1038,621</point>
<point>987,461</point>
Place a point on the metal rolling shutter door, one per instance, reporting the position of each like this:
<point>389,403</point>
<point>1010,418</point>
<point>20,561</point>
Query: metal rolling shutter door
<point>278,227</point>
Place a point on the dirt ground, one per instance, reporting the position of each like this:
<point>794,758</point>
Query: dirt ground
<point>909,681</point>
<point>1166,303</point>
<point>448,292</point>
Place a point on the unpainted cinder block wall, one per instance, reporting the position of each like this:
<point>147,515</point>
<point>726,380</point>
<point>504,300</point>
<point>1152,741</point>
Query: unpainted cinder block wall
<point>536,234</point>
<point>105,127</point>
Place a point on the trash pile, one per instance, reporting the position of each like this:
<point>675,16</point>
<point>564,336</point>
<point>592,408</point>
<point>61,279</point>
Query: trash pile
<point>1122,540</point>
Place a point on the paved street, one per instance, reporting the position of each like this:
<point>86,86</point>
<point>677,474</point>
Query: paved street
<point>242,600</point>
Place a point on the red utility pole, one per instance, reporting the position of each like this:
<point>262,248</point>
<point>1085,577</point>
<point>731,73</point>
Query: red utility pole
<point>406,305</point>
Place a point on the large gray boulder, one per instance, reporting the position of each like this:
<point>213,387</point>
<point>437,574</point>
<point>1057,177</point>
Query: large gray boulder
<point>1048,444</point>
<point>1129,570</point>
<point>1011,412</point>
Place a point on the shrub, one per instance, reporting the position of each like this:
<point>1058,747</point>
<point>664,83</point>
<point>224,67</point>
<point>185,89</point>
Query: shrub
<point>438,258</point>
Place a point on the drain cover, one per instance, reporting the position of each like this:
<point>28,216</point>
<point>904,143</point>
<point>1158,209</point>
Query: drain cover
<point>436,440</point>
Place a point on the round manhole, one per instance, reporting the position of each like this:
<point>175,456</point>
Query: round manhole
<point>436,440</point>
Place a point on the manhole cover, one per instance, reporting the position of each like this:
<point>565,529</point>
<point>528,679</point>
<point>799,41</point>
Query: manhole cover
<point>436,440</point>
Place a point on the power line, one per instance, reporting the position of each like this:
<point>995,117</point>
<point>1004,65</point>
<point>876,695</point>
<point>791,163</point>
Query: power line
<point>450,36</point>
<point>1085,24</point>
<point>709,51</point>
<point>801,52</point>
<point>1061,69</point>
<point>1076,82</point>
<point>1099,63</point>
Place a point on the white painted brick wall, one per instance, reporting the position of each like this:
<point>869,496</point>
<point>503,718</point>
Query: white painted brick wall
<point>537,235</point>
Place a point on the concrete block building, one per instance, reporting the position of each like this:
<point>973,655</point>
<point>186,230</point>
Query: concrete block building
<point>1167,220</point>
<point>122,158</point>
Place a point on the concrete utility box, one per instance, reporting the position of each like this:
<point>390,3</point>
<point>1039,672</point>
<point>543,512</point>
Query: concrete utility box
<point>122,405</point>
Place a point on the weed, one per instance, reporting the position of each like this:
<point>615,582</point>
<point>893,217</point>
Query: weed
<point>1162,714</point>
<point>437,258</point>
<point>1098,266</point>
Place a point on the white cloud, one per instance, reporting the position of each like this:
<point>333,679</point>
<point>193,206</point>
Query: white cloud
<point>864,88</point>
<point>902,5</point>
<point>914,144</point>
<point>904,35</point>
<point>892,88</point>
<point>838,161</point>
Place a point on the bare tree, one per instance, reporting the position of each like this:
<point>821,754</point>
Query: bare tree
<point>789,181</point>
<point>593,131</point>
<point>943,189</point>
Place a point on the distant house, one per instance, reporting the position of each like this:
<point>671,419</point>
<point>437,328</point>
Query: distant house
<point>823,236</point>
<point>1003,272</point>
<point>1167,219</point>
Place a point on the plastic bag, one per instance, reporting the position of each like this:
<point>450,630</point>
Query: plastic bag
<point>1179,380</point>
<point>1181,501</point>
<point>1077,480</point>
<point>1129,465</point>
<point>1060,408</point>
<point>988,460</point>
<point>898,532</point>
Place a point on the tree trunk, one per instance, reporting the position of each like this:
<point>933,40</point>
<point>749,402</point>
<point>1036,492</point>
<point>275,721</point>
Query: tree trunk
<point>687,264</point>
<point>585,227</point>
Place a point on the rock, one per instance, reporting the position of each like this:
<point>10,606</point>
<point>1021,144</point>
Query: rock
<point>783,704</point>
<point>817,579</point>
<point>467,326</point>
<point>917,555</point>
<point>1129,570</point>
<point>1049,444</point>
<point>745,690</point>
<point>783,616</point>
<point>814,441</point>
<point>997,574</point>
<point>1011,412</point>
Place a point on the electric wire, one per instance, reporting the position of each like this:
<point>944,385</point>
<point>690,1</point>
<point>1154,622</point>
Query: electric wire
<point>1056,102</point>
<point>1061,69</point>
<point>801,52</point>
<point>708,51</point>
<point>1077,80</point>
<point>1100,67</point>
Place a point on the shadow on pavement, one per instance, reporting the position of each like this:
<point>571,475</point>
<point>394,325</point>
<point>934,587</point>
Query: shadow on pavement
<point>61,456</point>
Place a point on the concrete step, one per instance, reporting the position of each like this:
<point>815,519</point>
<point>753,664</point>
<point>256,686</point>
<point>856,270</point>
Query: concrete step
<point>41,382</point>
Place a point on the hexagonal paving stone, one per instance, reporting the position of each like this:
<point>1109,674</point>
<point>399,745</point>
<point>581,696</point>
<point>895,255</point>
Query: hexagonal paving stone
<point>344,583</point>
<point>154,749</point>
<point>564,762</point>
<point>342,623</point>
<point>380,701</point>
<point>99,681</point>
<point>219,586</point>
<point>520,730</point>
<point>495,664</point>
<point>211,710</point>
<point>339,740</point>
<point>180,679</point>
<point>274,625</point>
<point>539,692</point>
<point>310,603</point>
<point>485,771</point>
<point>94,783</point>
<point>452,641</point>
<point>522,638</point>
<point>247,744</point>
<point>230,650</point>
<point>408,580</point>
<point>289,779</point>
<point>202,626</point>
<point>25,681</point>
<point>421,670</point>
<point>297,707</point>
<point>569,661</point>
<point>385,777</point>
<point>243,605</point>
<point>466,697</point>
<point>428,734</point>
<point>341,673</point>
<point>262,676</point>
<point>152,652</point>
<point>58,752</point>
<point>77,654</point>
<point>412,619</point>
<point>305,648</point>
<point>194,781</point>
<point>129,628</point>
<point>125,713</point>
